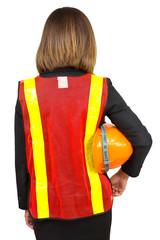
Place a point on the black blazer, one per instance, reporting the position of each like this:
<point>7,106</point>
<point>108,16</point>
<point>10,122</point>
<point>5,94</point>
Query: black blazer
<point>116,110</point>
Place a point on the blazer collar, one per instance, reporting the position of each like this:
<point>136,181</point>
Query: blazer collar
<point>65,71</point>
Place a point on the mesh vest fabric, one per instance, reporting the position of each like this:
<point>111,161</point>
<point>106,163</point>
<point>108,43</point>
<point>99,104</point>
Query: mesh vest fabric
<point>59,127</point>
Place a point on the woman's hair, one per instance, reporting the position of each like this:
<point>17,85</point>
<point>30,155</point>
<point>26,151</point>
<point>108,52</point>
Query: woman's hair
<point>67,41</point>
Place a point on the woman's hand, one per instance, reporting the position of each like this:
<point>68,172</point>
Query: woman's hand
<point>119,182</point>
<point>28,219</point>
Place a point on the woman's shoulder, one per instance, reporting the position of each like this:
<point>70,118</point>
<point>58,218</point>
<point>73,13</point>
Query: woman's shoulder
<point>109,82</point>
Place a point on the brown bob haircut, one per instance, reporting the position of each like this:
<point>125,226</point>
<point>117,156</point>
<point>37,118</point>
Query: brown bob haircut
<point>67,41</point>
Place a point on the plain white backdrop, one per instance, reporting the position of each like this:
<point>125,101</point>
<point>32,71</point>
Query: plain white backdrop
<point>128,43</point>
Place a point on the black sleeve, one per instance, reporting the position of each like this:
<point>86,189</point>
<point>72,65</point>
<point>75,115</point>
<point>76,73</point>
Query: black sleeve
<point>22,175</point>
<point>130,125</point>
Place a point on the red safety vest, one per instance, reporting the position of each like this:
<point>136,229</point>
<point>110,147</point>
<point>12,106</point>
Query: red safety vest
<point>61,115</point>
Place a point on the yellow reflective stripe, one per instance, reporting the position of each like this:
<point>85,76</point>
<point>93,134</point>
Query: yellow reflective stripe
<point>38,148</point>
<point>92,119</point>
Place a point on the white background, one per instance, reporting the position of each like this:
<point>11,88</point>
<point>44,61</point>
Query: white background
<point>128,41</point>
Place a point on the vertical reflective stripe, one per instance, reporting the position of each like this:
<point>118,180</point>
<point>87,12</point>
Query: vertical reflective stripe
<point>92,119</point>
<point>38,148</point>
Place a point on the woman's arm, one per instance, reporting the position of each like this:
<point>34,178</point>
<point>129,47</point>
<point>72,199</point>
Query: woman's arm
<point>22,175</point>
<point>130,125</point>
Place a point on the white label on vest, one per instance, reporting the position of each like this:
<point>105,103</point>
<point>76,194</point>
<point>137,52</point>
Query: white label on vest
<point>62,82</point>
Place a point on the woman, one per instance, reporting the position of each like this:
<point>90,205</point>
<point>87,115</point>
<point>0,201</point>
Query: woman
<point>56,116</point>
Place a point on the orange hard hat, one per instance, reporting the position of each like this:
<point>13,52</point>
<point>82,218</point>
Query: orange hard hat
<point>111,148</point>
